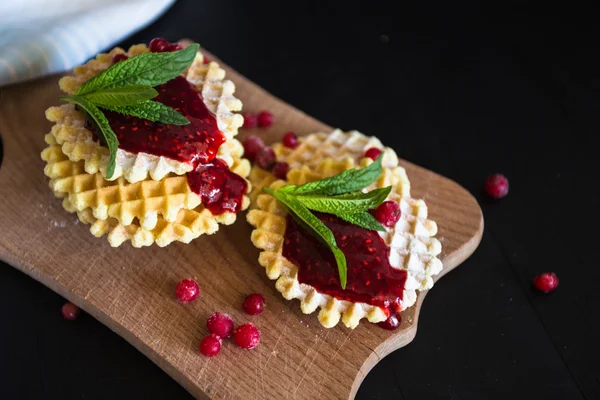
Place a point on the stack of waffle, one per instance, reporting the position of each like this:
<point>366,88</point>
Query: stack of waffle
<point>147,200</point>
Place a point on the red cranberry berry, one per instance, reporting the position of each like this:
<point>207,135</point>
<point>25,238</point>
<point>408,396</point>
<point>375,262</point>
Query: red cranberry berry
<point>158,45</point>
<point>280,170</point>
<point>70,311</point>
<point>265,158</point>
<point>174,47</point>
<point>252,145</point>
<point>187,290</point>
<point>247,336</point>
<point>254,303</point>
<point>119,57</point>
<point>210,345</point>
<point>250,120</point>
<point>393,322</point>
<point>290,140</point>
<point>265,119</point>
<point>373,153</point>
<point>546,282</point>
<point>205,60</point>
<point>388,213</point>
<point>496,186</point>
<point>220,324</point>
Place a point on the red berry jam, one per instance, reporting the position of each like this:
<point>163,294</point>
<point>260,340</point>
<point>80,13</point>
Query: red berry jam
<point>187,290</point>
<point>546,282</point>
<point>373,153</point>
<point>246,336</point>
<point>254,303</point>
<point>388,213</point>
<point>210,345</point>
<point>252,145</point>
<point>280,170</point>
<point>370,279</point>
<point>290,140</point>
<point>70,311</point>
<point>265,158</point>
<point>119,57</point>
<point>392,323</point>
<point>265,119</point>
<point>250,120</point>
<point>220,324</point>
<point>496,186</point>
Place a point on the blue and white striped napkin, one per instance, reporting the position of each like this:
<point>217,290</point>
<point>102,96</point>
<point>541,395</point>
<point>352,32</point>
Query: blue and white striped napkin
<point>40,37</point>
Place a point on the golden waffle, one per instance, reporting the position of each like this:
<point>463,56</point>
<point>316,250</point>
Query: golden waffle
<point>145,212</point>
<point>413,247</point>
<point>78,144</point>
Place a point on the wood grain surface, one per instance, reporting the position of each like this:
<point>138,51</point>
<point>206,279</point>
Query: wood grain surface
<point>131,290</point>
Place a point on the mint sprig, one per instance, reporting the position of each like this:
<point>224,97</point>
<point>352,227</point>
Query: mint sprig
<point>127,88</point>
<point>341,195</point>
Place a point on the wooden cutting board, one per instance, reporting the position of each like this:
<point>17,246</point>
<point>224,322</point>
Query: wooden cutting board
<point>132,290</point>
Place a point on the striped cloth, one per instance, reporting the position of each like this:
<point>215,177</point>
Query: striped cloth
<point>40,37</point>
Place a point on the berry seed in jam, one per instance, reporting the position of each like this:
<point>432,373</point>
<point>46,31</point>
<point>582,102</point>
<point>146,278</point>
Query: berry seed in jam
<point>371,278</point>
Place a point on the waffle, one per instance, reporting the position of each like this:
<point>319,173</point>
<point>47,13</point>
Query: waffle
<point>78,144</point>
<point>413,247</point>
<point>145,212</point>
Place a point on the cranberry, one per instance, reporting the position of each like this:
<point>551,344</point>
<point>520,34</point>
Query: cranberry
<point>254,303</point>
<point>265,119</point>
<point>373,153</point>
<point>290,140</point>
<point>280,170</point>
<point>119,57</point>
<point>174,47</point>
<point>210,345</point>
<point>252,145</point>
<point>546,282</point>
<point>158,45</point>
<point>265,158</point>
<point>250,120</point>
<point>388,213</point>
<point>205,60</point>
<point>496,186</point>
<point>220,324</point>
<point>393,322</point>
<point>247,336</point>
<point>187,290</point>
<point>70,311</point>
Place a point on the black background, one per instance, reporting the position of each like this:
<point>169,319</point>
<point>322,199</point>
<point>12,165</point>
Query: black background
<point>463,91</point>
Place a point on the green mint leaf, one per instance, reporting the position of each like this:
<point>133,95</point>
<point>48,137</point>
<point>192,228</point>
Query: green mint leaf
<point>315,226</point>
<point>152,111</point>
<point>348,181</point>
<point>350,203</point>
<point>104,129</point>
<point>148,69</point>
<point>121,96</point>
<point>364,220</point>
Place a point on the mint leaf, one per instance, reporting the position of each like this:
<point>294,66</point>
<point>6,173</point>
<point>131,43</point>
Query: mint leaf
<point>148,69</point>
<point>121,96</point>
<point>104,129</point>
<point>152,111</point>
<point>348,181</point>
<point>364,220</point>
<point>350,203</point>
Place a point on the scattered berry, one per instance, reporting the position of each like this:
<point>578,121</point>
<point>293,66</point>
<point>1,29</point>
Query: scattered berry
<point>220,324</point>
<point>265,119</point>
<point>393,322</point>
<point>210,345</point>
<point>496,186</point>
<point>119,57</point>
<point>187,290</point>
<point>205,60</point>
<point>373,153</point>
<point>280,170</point>
<point>174,47</point>
<point>265,158</point>
<point>254,303</point>
<point>546,282</point>
<point>158,45</point>
<point>388,213</point>
<point>252,145</point>
<point>70,311</point>
<point>247,336</point>
<point>290,140</point>
<point>250,120</point>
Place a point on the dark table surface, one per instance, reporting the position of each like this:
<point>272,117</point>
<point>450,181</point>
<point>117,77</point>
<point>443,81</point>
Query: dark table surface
<point>465,92</point>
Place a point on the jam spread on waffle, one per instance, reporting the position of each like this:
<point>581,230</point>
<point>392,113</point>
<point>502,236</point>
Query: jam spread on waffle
<point>196,143</point>
<point>371,278</point>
